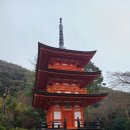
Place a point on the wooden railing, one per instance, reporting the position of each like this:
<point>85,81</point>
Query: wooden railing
<point>95,125</point>
<point>55,124</point>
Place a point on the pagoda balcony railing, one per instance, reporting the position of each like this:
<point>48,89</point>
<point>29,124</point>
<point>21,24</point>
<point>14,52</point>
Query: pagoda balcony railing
<point>54,125</point>
<point>92,125</point>
<point>95,125</point>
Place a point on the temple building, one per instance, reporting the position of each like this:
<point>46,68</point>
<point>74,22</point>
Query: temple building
<point>61,84</point>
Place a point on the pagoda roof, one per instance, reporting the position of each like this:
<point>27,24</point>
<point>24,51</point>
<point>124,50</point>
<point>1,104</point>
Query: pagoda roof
<point>45,52</point>
<point>43,99</point>
<point>45,75</point>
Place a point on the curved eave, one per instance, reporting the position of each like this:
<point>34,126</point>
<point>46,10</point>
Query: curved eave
<point>43,46</point>
<point>68,72</point>
<point>44,52</point>
<point>45,99</point>
<point>45,74</point>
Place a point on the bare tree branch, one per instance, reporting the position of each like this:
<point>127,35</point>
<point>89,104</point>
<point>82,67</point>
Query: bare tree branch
<point>119,78</point>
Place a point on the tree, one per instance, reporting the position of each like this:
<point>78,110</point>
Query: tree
<point>97,83</point>
<point>119,78</point>
<point>11,76</point>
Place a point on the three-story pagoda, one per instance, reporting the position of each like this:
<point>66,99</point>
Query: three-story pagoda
<point>60,87</point>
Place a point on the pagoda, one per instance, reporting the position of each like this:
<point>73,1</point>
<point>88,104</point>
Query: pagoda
<point>60,87</point>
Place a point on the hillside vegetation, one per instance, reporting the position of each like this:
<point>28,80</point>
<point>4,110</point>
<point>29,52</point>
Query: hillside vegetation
<point>16,85</point>
<point>113,111</point>
<point>16,113</point>
<point>11,76</point>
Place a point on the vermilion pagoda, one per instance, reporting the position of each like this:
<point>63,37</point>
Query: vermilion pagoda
<point>61,81</point>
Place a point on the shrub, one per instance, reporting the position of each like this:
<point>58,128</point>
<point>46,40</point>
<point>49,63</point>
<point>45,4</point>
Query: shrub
<point>17,129</point>
<point>2,128</point>
<point>127,125</point>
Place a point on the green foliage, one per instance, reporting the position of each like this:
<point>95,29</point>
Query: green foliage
<point>113,111</point>
<point>5,121</point>
<point>11,103</point>
<point>95,86</point>
<point>91,67</point>
<point>117,123</point>
<point>20,107</point>
<point>17,129</point>
<point>127,125</point>
<point>11,76</point>
<point>29,84</point>
<point>2,128</point>
<point>1,103</point>
<point>19,115</point>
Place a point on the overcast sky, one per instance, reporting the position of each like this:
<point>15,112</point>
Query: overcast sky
<point>102,25</point>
